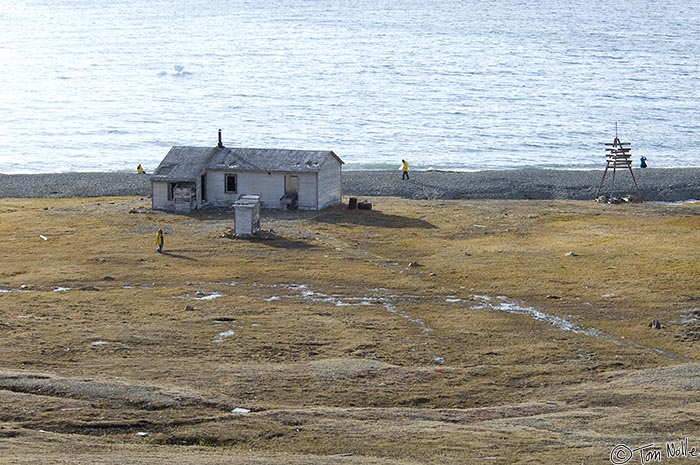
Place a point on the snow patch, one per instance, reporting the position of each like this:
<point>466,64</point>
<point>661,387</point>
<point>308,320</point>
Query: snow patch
<point>509,306</point>
<point>212,296</point>
<point>223,336</point>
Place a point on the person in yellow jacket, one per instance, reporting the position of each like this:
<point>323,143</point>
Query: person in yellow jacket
<point>159,240</point>
<point>140,170</point>
<point>404,168</point>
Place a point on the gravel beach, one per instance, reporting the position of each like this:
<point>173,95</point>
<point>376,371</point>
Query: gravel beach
<point>656,184</point>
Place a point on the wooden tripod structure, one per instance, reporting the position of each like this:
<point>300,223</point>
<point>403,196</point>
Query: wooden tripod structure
<point>617,156</point>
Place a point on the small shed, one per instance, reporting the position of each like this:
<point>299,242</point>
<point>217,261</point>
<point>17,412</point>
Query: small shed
<point>246,215</point>
<point>218,176</point>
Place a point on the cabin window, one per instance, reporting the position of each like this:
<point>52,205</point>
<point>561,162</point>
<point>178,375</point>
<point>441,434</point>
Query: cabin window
<point>231,184</point>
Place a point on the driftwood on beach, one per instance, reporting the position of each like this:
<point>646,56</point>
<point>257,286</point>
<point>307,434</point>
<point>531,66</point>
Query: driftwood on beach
<point>656,184</point>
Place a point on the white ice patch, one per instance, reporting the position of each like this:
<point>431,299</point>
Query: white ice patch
<point>509,306</point>
<point>240,410</point>
<point>223,336</point>
<point>677,202</point>
<point>99,343</point>
<point>689,316</point>
<point>294,287</point>
<point>345,301</point>
<point>407,316</point>
<point>212,296</point>
<point>61,289</point>
<point>5,291</point>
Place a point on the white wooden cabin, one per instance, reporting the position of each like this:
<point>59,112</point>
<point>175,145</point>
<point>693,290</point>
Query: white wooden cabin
<point>218,176</point>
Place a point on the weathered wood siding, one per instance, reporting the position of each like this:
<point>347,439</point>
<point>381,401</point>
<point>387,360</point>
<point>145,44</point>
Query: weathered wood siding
<point>329,184</point>
<point>308,187</point>
<point>216,189</point>
<point>269,186</point>
<point>159,197</point>
<point>198,194</point>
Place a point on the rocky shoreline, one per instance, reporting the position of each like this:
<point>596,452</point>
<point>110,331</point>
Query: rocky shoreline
<point>656,184</point>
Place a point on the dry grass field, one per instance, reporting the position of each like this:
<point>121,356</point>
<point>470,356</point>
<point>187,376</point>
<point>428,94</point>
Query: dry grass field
<point>421,332</point>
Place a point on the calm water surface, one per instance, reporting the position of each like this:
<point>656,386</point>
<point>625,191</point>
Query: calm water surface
<point>466,85</point>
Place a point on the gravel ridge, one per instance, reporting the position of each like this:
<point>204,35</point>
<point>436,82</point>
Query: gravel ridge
<point>73,184</point>
<point>656,184</point>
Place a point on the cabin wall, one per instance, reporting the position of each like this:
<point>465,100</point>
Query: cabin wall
<point>307,191</point>
<point>329,184</point>
<point>198,195</point>
<point>270,188</point>
<point>185,197</point>
<point>215,186</point>
<point>159,196</point>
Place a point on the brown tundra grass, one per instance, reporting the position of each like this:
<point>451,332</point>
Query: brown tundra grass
<point>418,332</point>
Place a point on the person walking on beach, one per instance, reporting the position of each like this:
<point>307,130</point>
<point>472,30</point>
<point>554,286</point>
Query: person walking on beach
<point>159,240</point>
<point>404,168</point>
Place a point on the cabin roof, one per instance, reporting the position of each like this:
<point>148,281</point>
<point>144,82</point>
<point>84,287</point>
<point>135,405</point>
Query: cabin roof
<point>186,164</point>
<point>183,164</point>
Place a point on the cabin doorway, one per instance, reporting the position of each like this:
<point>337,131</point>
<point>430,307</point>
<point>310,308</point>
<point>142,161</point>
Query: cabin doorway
<point>184,197</point>
<point>291,185</point>
<point>290,199</point>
